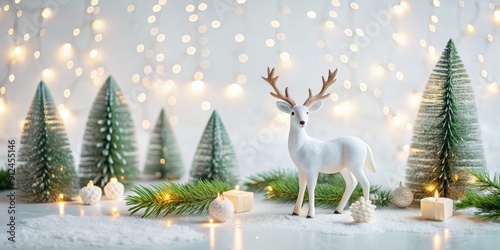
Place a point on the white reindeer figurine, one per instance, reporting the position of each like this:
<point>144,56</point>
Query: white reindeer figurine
<point>347,155</point>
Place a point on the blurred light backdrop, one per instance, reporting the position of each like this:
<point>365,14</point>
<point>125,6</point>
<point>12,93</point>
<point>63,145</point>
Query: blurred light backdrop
<point>193,57</point>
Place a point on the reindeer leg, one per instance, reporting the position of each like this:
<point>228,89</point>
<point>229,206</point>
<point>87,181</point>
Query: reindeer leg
<point>312,178</point>
<point>363,181</point>
<point>350,184</point>
<point>302,190</point>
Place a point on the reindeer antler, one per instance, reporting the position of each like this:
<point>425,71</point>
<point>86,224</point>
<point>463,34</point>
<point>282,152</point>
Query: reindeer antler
<point>326,84</point>
<point>272,81</point>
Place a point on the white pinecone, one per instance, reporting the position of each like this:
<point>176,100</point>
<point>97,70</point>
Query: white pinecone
<point>362,211</point>
<point>90,195</point>
<point>114,190</point>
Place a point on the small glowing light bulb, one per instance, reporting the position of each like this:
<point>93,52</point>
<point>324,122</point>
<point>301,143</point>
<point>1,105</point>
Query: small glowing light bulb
<point>496,14</point>
<point>330,24</point>
<point>470,28</point>
<point>93,53</point>
<point>284,56</point>
<point>311,14</point>
<point>66,49</point>
<point>2,105</point>
<point>197,85</point>
<point>17,50</point>
<point>234,90</point>
<point>493,87</point>
<point>378,70</point>
<point>396,120</point>
<point>397,8</point>
<point>205,106</point>
<point>46,73</point>
<point>63,111</point>
<point>46,12</point>
<point>145,124</point>
<point>430,188</point>
<point>98,24</point>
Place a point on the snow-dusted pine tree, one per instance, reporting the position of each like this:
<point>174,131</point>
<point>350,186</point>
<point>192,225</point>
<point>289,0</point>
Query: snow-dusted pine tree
<point>164,159</point>
<point>109,142</point>
<point>446,138</point>
<point>46,170</point>
<point>215,158</point>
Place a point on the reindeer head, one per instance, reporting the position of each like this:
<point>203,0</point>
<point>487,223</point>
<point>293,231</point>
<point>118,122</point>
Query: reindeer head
<point>299,114</point>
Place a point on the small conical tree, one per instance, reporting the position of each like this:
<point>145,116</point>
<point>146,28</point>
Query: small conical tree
<point>446,138</point>
<point>46,169</point>
<point>215,158</point>
<point>164,159</point>
<point>109,143</point>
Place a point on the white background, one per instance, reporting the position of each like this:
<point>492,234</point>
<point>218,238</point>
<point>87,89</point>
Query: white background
<point>258,134</point>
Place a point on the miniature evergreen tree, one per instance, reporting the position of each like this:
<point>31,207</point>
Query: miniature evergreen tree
<point>446,138</point>
<point>5,181</point>
<point>215,158</point>
<point>46,170</point>
<point>164,159</point>
<point>109,143</point>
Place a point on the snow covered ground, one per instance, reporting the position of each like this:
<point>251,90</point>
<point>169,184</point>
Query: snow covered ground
<point>76,226</point>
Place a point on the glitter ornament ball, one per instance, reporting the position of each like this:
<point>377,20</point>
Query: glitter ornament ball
<point>361,210</point>
<point>401,197</point>
<point>90,194</point>
<point>114,190</point>
<point>221,209</point>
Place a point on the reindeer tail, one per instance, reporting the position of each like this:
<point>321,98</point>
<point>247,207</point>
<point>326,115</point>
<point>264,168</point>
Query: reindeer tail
<point>369,162</point>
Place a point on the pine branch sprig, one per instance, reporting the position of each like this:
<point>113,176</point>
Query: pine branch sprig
<point>326,195</point>
<point>484,196</point>
<point>260,181</point>
<point>484,183</point>
<point>173,198</point>
<point>380,197</point>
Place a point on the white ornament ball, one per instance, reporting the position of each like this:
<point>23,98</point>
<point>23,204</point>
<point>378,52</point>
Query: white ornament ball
<point>221,209</point>
<point>401,196</point>
<point>362,211</point>
<point>90,194</point>
<point>113,189</point>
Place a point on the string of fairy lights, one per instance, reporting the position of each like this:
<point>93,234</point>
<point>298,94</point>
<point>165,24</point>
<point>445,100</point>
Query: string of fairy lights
<point>198,49</point>
<point>84,57</point>
<point>152,50</point>
<point>235,88</point>
<point>348,57</point>
<point>15,54</point>
<point>488,81</point>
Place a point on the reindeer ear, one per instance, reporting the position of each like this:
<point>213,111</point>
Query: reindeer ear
<point>283,106</point>
<point>315,106</point>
